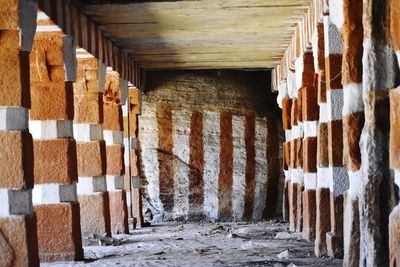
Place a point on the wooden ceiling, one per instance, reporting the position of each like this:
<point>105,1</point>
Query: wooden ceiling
<point>199,34</point>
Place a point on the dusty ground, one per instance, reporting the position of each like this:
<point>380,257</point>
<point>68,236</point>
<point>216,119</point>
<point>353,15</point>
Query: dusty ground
<point>206,244</point>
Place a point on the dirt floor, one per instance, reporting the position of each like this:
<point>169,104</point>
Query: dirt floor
<point>206,244</point>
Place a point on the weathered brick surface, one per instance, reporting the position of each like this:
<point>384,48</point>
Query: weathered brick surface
<point>310,154</point>
<point>18,241</point>
<point>91,158</point>
<point>55,161</point>
<point>115,160</point>
<point>59,232</point>
<point>118,212</point>
<point>95,213</point>
<point>16,160</point>
<point>395,129</point>
<point>88,108</point>
<point>112,117</point>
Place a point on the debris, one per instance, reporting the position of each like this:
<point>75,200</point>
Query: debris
<point>283,255</point>
<point>292,265</point>
<point>159,253</point>
<point>199,250</point>
<point>283,235</point>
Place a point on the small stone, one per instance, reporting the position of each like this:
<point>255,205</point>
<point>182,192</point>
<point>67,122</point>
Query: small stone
<point>283,255</point>
<point>283,235</point>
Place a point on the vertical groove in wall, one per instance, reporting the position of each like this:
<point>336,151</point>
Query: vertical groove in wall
<point>249,137</point>
<point>165,156</point>
<point>226,160</point>
<point>196,162</point>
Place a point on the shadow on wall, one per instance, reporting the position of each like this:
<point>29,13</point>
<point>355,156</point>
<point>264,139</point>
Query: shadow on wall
<point>209,144</point>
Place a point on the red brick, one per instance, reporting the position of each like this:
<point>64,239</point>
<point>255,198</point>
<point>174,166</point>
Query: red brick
<point>286,113</point>
<point>59,232</point>
<point>16,159</point>
<point>118,212</point>
<point>18,241</point>
<point>115,160</point>
<point>335,143</point>
<point>14,74</point>
<point>91,158</point>
<point>95,214</point>
<point>88,108</point>
<point>395,128</point>
<point>52,101</point>
<point>112,117</point>
<point>310,104</point>
<point>310,154</point>
<point>55,161</point>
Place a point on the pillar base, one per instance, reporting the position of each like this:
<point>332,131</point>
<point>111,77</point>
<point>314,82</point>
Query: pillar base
<point>137,207</point>
<point>394,236</point>
<point>95,214</point>
<point>292,206</point>
<point>299,221</point>
<point>309,214</point>
<point>323,222</point>
<point>59,234</point>
<point>18,241</point>
<point>334,245</point>
<point>285,206</point>
<point>118,212</point>
<point>334,239</point>
<point>351,232</point>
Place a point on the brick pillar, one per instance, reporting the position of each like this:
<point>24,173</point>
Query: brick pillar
<point>18,236</point>
<point>134,109</point>
<point>353,121</point>
<point>310,113</point>
<point>91,148</point>
<point>378,77</point>
<point>52,73</point>
<point>286,105</point>
<point>394,220</point>
<point>338,178</point>
<point>294,137</point>
<point>115,91</point>
<point>322,198</point>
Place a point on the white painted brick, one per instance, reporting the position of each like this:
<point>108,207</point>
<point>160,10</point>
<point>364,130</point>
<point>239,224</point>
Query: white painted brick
<point>54,193</point>
<point>352,99</point>
<point>115,182</point>
<point>13,118</point>
<point>127,157</point>
<point>84,132</point>
<point>310,128</point>
<point>323,177</point>
<point>51,129</point>
<point>323,112</point>
<point>113,137</point>
<point>310,181</point>
<point>299,66</point>
<point>90,185</point>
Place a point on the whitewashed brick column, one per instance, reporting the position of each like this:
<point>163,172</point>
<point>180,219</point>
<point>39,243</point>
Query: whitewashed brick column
<point>91,148</point>
<point>52,73</point>
<point>17,219</point>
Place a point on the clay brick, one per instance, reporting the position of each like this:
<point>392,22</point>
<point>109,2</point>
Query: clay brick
<point>134,96</point>
<point>133,124</point>
<point>112,92</point>
<point>333,68</point>
<point>293,114</point>
<point>323,222</point>
<point>335,143</point>
<point>310,155</point>
<point>52,101</point>
<point>9,14</point>
<point>321,87</point>
<point>309,214</point>
<point>394,129</point>
<point>394,236</point>
<point>118,212</point>
<point>112,117</point>
<point>125,126</point>
<point>293,153</point>
<point>18,241</point>
<point>14,74</point>
<point>137,206</point>
<point>286,155</point>
<point>115,160</point>
<point>285,204</point>
<point>16,160</point>
<point>334,239</point>
<point>53,44</point>
<point>88,108</point>
<point>91,158</point>
<point>286,113</point>
<point>55,161</point>
<point>95,214</point>
<point>352,127</point>
<point>292,206</point>
<point>127,179</point>
<point>299,109</point>
<point>59,232</point>
<point>299,153</point>
<point>299,217</point>
<point>310,104</point>
<point>322,145</point>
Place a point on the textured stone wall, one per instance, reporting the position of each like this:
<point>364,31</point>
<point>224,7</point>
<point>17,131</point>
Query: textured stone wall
<point>203,146</point>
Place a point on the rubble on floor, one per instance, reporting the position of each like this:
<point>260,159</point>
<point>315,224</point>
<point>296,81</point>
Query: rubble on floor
<point>205,244</point>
